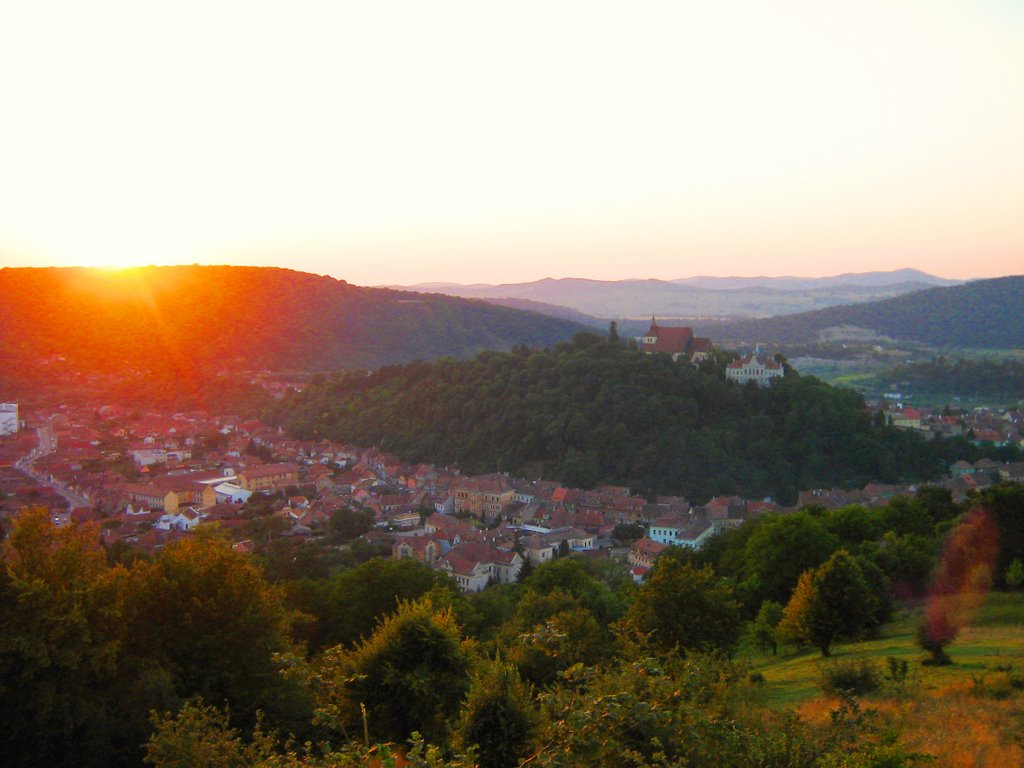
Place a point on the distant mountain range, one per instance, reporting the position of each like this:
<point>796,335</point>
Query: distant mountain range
<point>863,279</point>
<point>188,319</point>
<point>983,314</point>
<point>696,297</point>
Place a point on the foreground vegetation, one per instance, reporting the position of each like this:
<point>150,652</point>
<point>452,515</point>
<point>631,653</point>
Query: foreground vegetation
<point>988,654</point>
<point>192,657</point>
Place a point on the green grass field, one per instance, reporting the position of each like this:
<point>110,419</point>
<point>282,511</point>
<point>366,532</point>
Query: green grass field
<point>995,638</point>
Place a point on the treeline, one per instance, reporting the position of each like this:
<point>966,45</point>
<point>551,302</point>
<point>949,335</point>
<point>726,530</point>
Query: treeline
<point>51,384</point>
<point>594,411</point>
<point>192,658</point>
<point>179,324</point>
<point>974,315</point>
<point>961,377</point>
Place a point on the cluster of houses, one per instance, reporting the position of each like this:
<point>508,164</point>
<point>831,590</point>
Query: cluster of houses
<point>480,529</point>
<point>1000,427</point>
<point>536,521</point>
<point>148,479</point>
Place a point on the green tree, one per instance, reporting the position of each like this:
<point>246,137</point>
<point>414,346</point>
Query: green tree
<point>685,607</point>
<point>499,716</point>
<point>603,588</point>
<point>1005,504</point>
<point>832,601</point>
<point>410,675</point>
<point>907,561</point>
<point>60,646</point>
<point>349,605</point>
<point>628,532</point>
<point>766,625</point>
<point>207,615</point>
<point>779,549</point>
<point>551,632</point>
<point>345,524</point>
<point>201,735</point>
<point>1015,574</point>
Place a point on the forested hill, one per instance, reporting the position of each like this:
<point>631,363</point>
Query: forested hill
<point>595,411</point>
<point>982,314</point>
<point>215,318</point>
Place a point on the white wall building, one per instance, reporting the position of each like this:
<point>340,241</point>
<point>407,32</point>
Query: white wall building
<point>9,418</point>
<point>754,367</point>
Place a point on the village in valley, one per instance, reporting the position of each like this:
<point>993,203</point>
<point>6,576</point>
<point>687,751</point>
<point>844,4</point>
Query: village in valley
<point>146,479</point>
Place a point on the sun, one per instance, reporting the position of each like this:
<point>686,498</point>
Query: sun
<point>112,252</point>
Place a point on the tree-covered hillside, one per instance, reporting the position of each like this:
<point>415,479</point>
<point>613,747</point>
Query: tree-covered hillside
<point>982,314</point>
<point>187,319</point>
<point>973,378</point>
<point>595,411</point>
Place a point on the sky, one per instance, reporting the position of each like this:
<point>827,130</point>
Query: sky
<point>402,142</point>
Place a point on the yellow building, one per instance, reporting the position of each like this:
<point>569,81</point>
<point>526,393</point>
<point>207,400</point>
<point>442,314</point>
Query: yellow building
<point>269,477</point>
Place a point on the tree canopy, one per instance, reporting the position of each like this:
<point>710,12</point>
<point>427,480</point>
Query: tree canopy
<point>594,411</point>
<point>834,600</point>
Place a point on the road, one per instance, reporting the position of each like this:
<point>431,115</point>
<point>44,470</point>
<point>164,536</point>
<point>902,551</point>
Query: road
<point>48,445</point>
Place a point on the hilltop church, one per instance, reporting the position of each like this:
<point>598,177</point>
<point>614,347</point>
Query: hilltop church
<point>676,341</point>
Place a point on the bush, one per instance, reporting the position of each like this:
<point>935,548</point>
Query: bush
<point>897,674</point>
<point>1003,684</point>
<point>850,677</point>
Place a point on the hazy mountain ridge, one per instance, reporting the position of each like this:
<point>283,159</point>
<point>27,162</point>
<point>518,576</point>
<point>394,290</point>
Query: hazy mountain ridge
<point>552,310</point>
<point>791,283</point>
<point>981,314</point>
<point>699,296</point>
<point>190,318</point>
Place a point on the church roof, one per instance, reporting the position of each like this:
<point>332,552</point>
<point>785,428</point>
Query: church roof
<point>669,338</point>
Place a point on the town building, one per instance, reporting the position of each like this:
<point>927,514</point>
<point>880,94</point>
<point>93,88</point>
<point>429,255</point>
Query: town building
<point>474,565</point>
<point>681,532</point>
<point>268,477</point>
<point>677,341</point>
<point>9,423</point>
<point>642,555</point>
<point>486,496</point>
<point>754,367</point>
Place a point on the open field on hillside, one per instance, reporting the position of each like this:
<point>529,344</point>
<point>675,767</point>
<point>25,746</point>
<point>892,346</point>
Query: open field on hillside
<point>968,714</point>
<point>994,639</point>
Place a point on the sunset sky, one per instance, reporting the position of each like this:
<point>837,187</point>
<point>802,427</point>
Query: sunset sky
<point>402,142</point>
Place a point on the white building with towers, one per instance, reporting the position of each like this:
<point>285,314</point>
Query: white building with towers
<point>754,367</point>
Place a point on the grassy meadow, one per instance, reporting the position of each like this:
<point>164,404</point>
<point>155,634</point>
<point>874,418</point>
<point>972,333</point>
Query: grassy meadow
<point>970,713</point>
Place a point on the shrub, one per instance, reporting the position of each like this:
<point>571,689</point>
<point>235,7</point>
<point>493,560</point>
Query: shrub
<point>897,674</point>
<point>850,677</point>
<point>1004,684</point>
